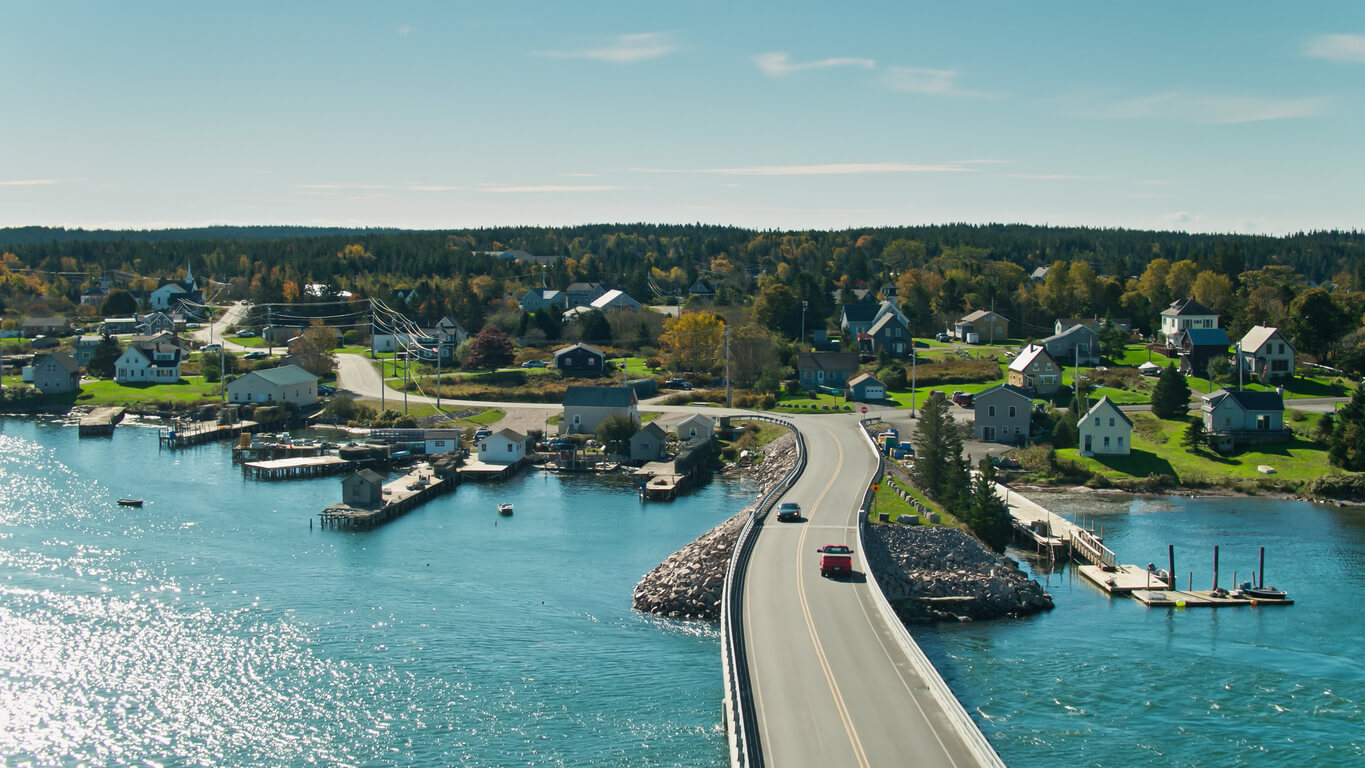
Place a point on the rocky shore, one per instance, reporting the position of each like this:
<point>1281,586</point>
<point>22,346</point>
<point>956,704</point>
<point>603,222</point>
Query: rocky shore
<point>688,584</point>
<point>944,574</point>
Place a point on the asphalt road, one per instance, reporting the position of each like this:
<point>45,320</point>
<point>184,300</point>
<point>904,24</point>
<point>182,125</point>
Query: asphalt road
<point>835,684</point>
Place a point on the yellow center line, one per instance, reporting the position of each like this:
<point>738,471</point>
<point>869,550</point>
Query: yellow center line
<point>839,704</point>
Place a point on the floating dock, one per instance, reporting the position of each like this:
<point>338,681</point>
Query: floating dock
<point>296,468</point>
<point>99,422</point>
<point>1178,598</point>
<point>475,469</point>
<point>660,480</point>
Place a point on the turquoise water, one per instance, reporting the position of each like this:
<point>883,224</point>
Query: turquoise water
<point>1108,682</point>
<point>213,627</point>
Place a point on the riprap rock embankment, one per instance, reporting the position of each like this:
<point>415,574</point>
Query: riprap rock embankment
<point>688,584</point>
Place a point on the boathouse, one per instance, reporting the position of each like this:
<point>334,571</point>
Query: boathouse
<point>695,427</point>
<point>587,407</point>
<point>285,384</point>
<point>364,489</point>
<point>506,446</point>
<point>648,443</point>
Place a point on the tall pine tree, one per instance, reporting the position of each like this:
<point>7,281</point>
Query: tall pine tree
<point>1171,396</point>
<point>1348,434</point>
<point>986,513</point>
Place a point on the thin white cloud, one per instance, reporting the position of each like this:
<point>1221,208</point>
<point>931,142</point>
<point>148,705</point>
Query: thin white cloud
<point>625,49</point>
<point>827,169</point>
<point>928,82</point>
<point>776,64</point>
<point>1210,109</point>
<point>1053,177</point>
<point>340,187</point>
<point>28,182</point>
<point>1345,48</point>
<point>552,188</point>
<point>404,30</point>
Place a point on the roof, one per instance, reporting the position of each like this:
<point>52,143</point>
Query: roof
<point>864,377</point>
<point>572,347</point>
<point>583,287</point>
<point>1186,308</point>
<point>1072,330</point>
<point>579,396</point>
<point>1039,273</point>
<point>980,314</point>
<point>1250,401</point>
<point>827,361</point>
<point>1002,389</point>
<point>697,417</point>
<point>652,429</point>
<point>1028,356</point>
<point>883,321</point>
<point>1207,337</point>
<point>1258,336</point>
<point>368,475</point>
<point>859,313</point>
<point>611,297</point>
<point>507,433</point>
<point>1105,404</point>
<point>44,321</point>
<point>61,358</point>
<point>286,375</point>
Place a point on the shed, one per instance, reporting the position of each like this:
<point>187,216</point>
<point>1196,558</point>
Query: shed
<point>363,490</point>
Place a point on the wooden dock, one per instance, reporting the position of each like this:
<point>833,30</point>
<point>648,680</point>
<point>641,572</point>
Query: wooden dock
<point>296,468</point>
<point>184,434</point>
<point>659,480</point>
<point>474,469</point>
<point>400,496</point>
<point>1179,598</point>
<point>100,422</point>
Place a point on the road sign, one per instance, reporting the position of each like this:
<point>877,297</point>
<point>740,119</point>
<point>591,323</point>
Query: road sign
<point>864,409</point>
<point>876,487</point>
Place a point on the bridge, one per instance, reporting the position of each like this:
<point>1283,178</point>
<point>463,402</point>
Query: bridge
<point>821,672</point>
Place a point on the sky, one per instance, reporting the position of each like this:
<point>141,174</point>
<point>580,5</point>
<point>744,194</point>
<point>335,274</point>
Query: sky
<point>1226,117</point>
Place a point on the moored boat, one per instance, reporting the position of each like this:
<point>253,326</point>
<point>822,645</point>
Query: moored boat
<point>504,509</point>
<point>130,502</point>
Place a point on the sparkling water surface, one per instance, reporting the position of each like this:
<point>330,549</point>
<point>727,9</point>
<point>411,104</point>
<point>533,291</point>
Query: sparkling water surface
<point>1105,681</point>
<point>214,627</point>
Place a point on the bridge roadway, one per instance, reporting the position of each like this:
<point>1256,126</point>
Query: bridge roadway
<point>835,681</point>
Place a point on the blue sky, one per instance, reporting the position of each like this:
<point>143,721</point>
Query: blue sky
<point>1205,117</point>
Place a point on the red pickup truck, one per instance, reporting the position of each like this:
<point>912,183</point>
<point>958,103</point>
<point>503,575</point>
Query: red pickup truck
<point>835,558</point>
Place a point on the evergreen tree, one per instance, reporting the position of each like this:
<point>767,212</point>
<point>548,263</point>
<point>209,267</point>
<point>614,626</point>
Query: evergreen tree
<point>1348,435</point>
<point>596,327</point>
<point>1194,436</point>
<point>1064,434</point>
<point>939,467</point>
<point>986,513</point>
<point>119,303</point>
<point>104,357</point>
<point>1171,396</point>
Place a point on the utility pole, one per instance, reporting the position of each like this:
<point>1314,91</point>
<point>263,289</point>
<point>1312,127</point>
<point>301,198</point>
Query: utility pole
<point>270,331</point>
<point>729,393</point>
<point>440,347</point>
<point>914,356</point>
<point>407,366</point>
<point>804,304</point>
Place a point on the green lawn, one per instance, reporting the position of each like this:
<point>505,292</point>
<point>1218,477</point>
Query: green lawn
<point>818,403</point>
<point>1156,450</point>
<point>1136,354</point>
<point>190,389</point>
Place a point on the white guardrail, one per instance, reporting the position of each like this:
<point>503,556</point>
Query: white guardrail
<point>948,703</point>
<point>740,718</point>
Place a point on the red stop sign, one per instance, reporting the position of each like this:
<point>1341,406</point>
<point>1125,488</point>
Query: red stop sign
<point>864,409</point>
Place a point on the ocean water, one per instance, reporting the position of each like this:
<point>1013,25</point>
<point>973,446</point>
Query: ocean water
<point>1103,681</point>
<point>214,627</point>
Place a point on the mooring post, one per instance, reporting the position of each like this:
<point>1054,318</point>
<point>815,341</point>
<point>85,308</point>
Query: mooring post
<point>1170,556</point>
<point>1261,580</point>
<point>1215,566</point>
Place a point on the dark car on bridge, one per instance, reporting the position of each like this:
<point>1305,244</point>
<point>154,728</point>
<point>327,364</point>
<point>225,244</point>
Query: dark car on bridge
<point>788,511</point>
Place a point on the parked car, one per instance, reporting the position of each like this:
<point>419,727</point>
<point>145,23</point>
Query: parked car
<point>482,432</point>
<point>211,347</point>
<point>678,384</point>
<point>326,389</point>
<point>963,399</point>
<point>246,333</point>
<point>943,337</point>
<point>255,355</point>
<point>535,364</point>
<point>788,511</point>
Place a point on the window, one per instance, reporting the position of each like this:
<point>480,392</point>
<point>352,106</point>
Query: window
<point>1097,421</point>
<point>1011,411</point>
<point>1120,442</point>
<point>990,410</point>
<point>1106,441</point>
<point>1111,421</point>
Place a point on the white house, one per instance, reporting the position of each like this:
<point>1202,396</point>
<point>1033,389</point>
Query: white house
<point>1105,430</point>
<point>166,296</point>
<point>506,446</point>
<point>149,362</point>
<point>1183,315</point>
<point>285,384</point>
<point>1265,352</point>
<point>441,440</point>
<point>56,372</point>
<point>587,407</point>
<point>694,427</point>
<point>617,300</point>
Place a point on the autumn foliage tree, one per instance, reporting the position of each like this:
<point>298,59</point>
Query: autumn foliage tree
<point>692,340</point>
<point>491,348</point>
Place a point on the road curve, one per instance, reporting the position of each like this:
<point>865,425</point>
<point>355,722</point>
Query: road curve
<point>834,682</point>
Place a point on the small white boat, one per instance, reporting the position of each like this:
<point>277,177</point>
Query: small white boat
<point>504,509</point>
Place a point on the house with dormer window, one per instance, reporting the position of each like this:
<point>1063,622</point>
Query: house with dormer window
<point>1265,353</point>
<point>149,362</point>
<point>1183,315</point>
